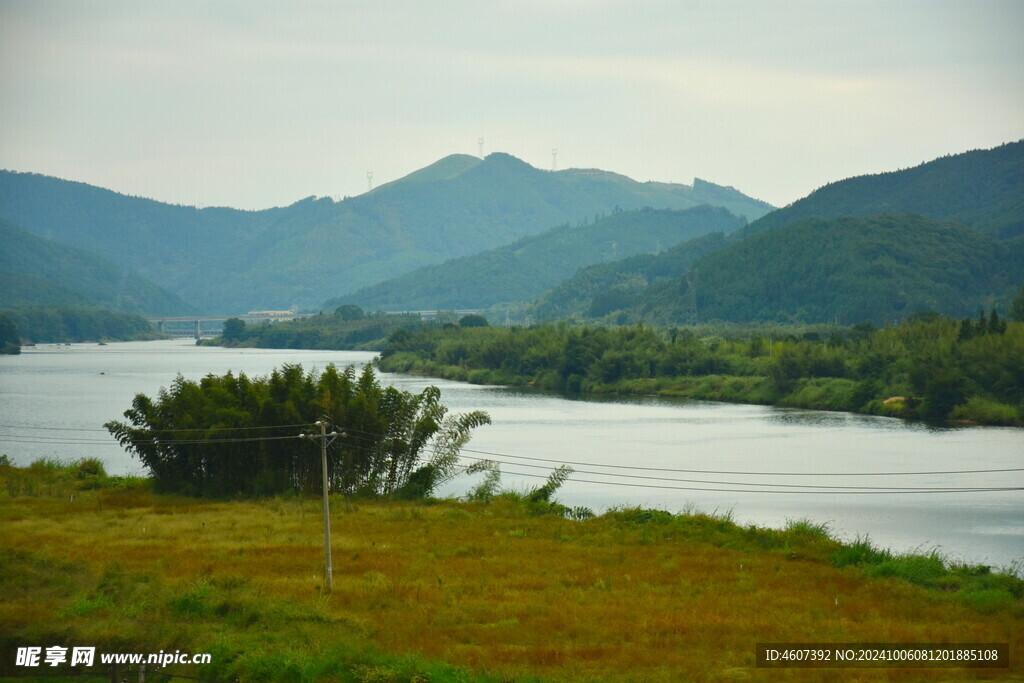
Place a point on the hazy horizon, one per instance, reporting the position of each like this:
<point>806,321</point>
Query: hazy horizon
<point>260,104</point>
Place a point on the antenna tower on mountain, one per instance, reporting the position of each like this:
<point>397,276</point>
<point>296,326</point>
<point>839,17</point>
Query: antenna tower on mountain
<point>554,160</point>
<point>480,141</point>
<point>369,180</point>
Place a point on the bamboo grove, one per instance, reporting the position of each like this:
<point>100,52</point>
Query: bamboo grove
<point>234,435</point>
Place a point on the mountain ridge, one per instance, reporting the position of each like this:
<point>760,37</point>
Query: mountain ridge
<point>850,269</point>
<point>981,189</point>
<point>523,269</point>
<point>852,250</point>
<point>228,260</point>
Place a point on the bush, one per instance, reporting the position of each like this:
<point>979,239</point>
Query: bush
<point>985,411</point>
<point>394,441</point>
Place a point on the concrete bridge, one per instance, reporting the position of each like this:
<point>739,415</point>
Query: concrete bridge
<point>192,325</point>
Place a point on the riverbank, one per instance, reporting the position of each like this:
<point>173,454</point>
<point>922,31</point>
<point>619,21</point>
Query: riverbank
<point>455,590</point>
<point>927,368</point>
<point>833,394</point>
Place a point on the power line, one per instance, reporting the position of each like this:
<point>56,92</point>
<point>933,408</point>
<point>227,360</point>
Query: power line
<point>147,440</point>
<point>734,483</point>
<point>735,472</point>
<point>194,429</point>
<point>374,437</point>
<point>772,474</point>
<point>616,478</point>
<point>617,475</point>
<point>771,487</point>
<point>694,488</point>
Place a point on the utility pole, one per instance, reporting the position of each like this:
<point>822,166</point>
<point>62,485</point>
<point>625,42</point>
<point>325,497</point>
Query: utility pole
<point>325,440</point>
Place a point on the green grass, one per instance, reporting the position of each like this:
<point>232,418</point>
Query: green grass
<point>510,587</point>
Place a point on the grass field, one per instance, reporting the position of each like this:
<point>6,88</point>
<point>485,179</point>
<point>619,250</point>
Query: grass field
<point>450,590</point>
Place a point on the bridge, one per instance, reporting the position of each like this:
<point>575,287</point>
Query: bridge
<point>192,325</point>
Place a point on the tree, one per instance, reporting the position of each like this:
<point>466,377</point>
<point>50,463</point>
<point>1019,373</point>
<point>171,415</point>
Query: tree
<point>225,436</point>
<point>996,325</point>
<point>967,330</point>
<point>350,312</point>
<point>473,320</point>
<point>1017,307</point>
<point>10,343</point>
<point>234,329</point>
<point>944,391</point>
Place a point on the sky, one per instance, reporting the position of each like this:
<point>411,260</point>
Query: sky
<point>252,104</point>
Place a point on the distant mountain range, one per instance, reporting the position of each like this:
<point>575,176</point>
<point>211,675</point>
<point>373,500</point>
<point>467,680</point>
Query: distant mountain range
<point>523,270</point>
<point>37,272</point>
<point>224,260</point>
<point>945,236</point>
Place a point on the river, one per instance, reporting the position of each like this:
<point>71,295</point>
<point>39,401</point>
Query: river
<point>906,486</point>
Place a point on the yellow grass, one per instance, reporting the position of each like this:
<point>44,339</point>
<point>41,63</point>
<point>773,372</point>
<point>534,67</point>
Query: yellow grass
<point>491,590</point>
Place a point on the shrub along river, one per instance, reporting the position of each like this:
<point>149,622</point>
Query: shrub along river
<point>959,490</point>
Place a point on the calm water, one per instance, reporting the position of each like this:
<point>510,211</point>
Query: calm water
<point>54,399</point>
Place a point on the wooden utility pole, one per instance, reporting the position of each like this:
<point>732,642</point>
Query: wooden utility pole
<point>325,440</point>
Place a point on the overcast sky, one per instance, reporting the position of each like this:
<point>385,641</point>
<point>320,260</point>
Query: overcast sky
<point>253,104</point>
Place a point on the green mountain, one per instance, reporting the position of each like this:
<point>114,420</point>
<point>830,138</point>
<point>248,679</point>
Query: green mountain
<point>34,272</point>
<point>228,261</point>
<point>945,236</point>
<point>600,289</point>
<point>521,271</point>
<point>851,269</point>
<point>981,189</point>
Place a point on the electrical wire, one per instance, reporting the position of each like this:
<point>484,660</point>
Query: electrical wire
<point>694,488</point>
<point>370,439</point>
<point>104,431</point>
<point>732,483</point>
<point>352,434</point>
<point>746,472</point>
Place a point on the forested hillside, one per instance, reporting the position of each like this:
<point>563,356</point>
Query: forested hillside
<point>850,270</point>
<point>981,189</point>
<point>36,271</point>
<point>230,261</point>
<point>67,323</point>
<point>938,237</point>
<point>602,288</point>
<point>524,269</point>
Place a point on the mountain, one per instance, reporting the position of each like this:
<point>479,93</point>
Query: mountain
<point>603,288</point>
<point>521,271</point>
<point>981,189</point>
<point>943,236</point>
<point>34,271</point>
<point>851,269</point>
<point>227,261</point>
